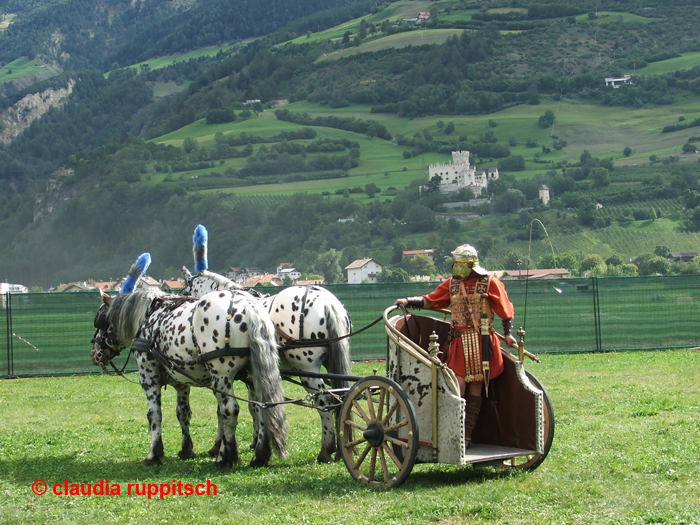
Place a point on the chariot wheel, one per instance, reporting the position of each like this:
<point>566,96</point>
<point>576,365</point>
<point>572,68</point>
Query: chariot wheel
<point>532,461</point>
<point>375,419</point>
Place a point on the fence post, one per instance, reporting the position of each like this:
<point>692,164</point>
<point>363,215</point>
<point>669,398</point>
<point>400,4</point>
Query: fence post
<point>596,315</point>
<point>10,350</point>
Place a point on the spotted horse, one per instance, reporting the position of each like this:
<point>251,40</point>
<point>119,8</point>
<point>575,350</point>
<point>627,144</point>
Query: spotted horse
<point>206,342</point>
<point>299,313</point>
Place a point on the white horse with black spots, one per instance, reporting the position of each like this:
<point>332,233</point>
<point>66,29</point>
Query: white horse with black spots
<point>207,342</point>
<point>303,313</point>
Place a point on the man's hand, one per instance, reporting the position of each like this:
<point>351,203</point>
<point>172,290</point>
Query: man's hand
<point>402,302</point>
<point>510,341</point>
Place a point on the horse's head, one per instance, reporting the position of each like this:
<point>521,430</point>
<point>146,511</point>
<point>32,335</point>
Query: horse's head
<point>105,343</point>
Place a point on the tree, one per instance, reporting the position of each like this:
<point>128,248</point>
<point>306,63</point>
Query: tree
<point>189,145</point>
<point>449,128</point>
<point>371,189</point>
<point>509,201</point>
<point>393,275</point>
<point>514,260</point>
<point>419,219</point>
<point>599,177</point>
<point>627,151</point>
<point>329,265</point>
<point>547,120</point>
<point>563,260</point>
<point>422,264</point>
<point>662,251</point>
<point>655,266</point>
<point>689,148</point>
<point>590,262</point>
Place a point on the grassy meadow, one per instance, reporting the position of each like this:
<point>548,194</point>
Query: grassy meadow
<point>685,61</point>
<point>23,67</point>
<point>625,451</point>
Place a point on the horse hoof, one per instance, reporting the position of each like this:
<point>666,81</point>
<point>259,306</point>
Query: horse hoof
<point>223,464</point>
<point>214,451</point>
<point>187,454</point>
<point>324,457</point>
<point>256,463</point>
<point>150,462</point>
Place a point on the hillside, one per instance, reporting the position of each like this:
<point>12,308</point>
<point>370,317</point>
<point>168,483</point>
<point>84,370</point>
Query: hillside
<point>351,111</point>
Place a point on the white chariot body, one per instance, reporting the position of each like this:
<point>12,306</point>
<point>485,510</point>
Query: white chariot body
<point>416,414</point>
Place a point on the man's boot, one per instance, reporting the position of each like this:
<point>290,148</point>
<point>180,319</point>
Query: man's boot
<point>470,417</point>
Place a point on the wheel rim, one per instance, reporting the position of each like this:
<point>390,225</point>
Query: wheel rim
<point>377,417</point>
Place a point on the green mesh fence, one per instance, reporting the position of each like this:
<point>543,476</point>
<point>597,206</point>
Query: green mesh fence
<point>588,315</point>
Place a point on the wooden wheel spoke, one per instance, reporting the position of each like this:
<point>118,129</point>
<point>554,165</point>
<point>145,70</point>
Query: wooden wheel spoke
<point>362,457</point>
<point>382,394</point>
<point>372,464</point>
<point>356,442</point>
<point>396,426</point>
<point>385,469</point>
<point>360,412</point>
<point>396,441</point>
<point>391,411</point>
<point>351,423</point>
<point>370,404</point>
<point>392,455</point>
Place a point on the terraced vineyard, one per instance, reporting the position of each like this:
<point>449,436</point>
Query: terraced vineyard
<point>261,200</point>
<point>665,206</point>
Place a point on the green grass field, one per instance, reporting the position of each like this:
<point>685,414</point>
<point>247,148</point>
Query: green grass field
<point>685,61</point>
<point>23,67</point>
<point>625,451</point>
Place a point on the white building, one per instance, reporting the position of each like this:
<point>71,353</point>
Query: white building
<point>544,194</point>
<point>617,82</point>
<point>292,273</point>
<point>461,174</point>
<point>363,270</point>
<point>12,288</point>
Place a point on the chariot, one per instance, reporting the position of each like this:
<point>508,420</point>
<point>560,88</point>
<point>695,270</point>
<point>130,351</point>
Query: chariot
<point>414,413</point>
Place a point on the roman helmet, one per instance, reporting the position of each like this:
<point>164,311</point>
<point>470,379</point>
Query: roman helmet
<point>465,259</point>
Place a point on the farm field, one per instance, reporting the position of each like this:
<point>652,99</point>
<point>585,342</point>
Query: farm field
<point>625,451</point>
<point>24,67</point>
<point>6,20</point>
<point>685,61</point>
<point>604,131</point>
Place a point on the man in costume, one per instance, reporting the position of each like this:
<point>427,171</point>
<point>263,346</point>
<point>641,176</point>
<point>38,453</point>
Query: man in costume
<point>474,353</point>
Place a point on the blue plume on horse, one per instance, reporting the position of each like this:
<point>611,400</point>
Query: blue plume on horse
<point>200,239</point>
<point>136,271</point>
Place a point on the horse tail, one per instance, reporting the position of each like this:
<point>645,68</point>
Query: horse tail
<point>267,381</point>
<point>338,325</point>
<point>199,248</point>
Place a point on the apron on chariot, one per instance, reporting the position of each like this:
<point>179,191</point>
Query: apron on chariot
<point>463,296</point>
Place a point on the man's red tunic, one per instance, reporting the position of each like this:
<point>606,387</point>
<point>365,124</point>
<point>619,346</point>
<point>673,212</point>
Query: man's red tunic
<point>500,304</point>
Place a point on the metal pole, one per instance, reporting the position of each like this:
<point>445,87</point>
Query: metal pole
<point>596,314</point>
<point>10,341</point>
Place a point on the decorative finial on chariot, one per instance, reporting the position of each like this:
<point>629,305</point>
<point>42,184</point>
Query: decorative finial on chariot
<point>434,346</point>
<point>521,344</point>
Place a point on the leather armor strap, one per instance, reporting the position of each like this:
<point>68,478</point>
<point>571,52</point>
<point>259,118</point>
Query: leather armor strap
<point>415,302</point>
<point>507,326</point>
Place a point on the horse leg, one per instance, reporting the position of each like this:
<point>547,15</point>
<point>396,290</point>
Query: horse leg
<point>214,451</point>
<point>261,441</point>
<point>184,414</point>
<point>228,410</point>
<point>151,386</point>
<point>255,415</point>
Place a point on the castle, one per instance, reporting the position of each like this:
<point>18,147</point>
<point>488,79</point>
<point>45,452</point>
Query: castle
<point>460,174</point>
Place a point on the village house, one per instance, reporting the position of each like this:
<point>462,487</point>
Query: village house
<point>363,270</point>
<point>544,194</point>
<point>172,286</point>
<point>461,174</point>
<point>682,256</point>
<point>12,288</point>
<point>412,253</point>
<point>260,280</point>
<point>544,273</point>
<point>617,82</point>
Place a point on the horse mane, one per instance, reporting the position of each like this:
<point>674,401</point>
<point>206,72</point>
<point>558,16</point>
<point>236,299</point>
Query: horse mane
<point>224,283</point>
<point>128,312</point>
